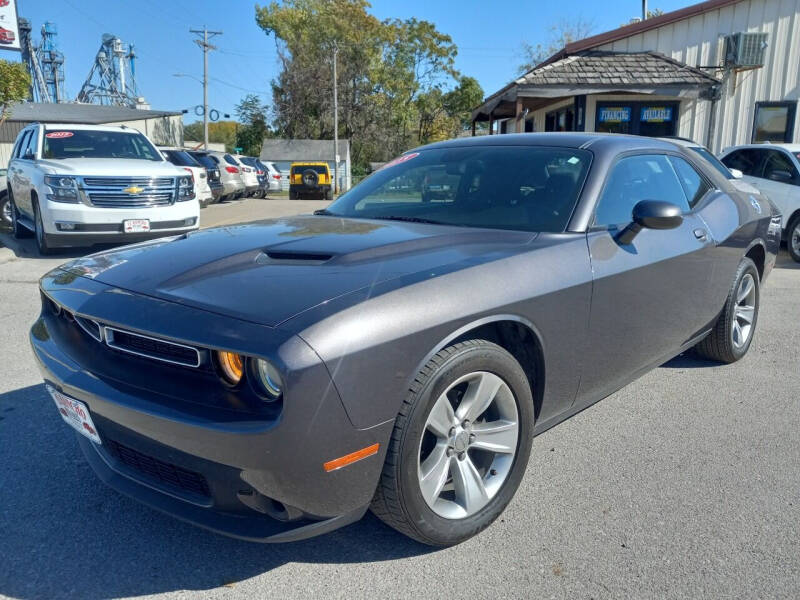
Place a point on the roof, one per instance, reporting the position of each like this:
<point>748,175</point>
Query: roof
<point>602,72</point>
<point>639,27</point>
<point>94,114</point>
<point>616,68</point>
<point>296,150</point>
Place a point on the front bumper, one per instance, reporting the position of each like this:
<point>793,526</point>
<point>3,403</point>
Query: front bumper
<point>262,473</point>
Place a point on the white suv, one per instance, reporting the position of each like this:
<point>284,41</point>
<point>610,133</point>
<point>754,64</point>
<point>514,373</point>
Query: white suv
<point>775,170</point>
<point>78,185</point>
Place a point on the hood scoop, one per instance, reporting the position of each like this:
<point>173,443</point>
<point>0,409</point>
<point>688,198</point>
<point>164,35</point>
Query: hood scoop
<point>289,257</point>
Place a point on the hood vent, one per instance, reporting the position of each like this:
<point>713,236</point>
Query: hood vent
<point>293,258</point>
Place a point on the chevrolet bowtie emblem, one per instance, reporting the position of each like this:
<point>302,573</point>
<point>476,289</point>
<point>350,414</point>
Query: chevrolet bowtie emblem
<point>133,190</point>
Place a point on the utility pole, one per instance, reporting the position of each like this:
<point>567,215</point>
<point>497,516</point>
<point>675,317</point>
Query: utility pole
<point>203,43</point>
<point>644,10</point>
<point>335,122</point>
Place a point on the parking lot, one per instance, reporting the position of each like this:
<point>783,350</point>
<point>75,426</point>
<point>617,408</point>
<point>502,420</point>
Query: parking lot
<point>685,484</point>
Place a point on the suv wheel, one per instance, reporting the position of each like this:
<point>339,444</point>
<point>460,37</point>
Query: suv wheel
<point>41,236</point>
<point>459,447</point>
<point>5,209</point>
<point>793,238</point>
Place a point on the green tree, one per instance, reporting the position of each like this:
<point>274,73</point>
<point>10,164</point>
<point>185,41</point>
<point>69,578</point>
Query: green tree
<point>384,69</point>
<point>252,114</point>
<point>559,35</point>
<point>219,132</point>
<point>15,84</point>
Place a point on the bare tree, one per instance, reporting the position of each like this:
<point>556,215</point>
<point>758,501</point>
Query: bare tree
<point>559,35</point>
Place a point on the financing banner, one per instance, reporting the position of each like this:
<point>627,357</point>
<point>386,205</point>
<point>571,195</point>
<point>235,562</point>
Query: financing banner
<point>9,27</point>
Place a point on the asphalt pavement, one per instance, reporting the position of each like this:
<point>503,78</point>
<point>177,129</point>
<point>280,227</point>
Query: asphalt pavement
<point>684,484</point>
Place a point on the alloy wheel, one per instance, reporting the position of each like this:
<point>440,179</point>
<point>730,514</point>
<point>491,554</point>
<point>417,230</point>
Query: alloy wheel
<point>794,239</point>
<point>744,311</point>
<point>6,214</point>
<point>469,445</point>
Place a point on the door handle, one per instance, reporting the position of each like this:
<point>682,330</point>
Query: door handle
<point>700,234</point>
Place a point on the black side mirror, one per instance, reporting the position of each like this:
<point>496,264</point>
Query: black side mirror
<point>651,214</point>
<point>781,175</point>
<point>29,156</point>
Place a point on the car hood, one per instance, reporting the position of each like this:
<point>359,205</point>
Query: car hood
<point>270,271</point>
<point>117,167</point>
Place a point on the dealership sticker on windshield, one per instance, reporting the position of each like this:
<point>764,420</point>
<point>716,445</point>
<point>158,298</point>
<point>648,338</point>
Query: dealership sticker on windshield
<point>401,159</point>
<point>75,413</point>
<point>59,134</point>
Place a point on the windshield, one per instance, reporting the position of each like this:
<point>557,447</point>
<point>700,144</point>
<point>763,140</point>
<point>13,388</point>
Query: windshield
<point>530,188</point>
<point>204,159</point>
<point>87,143</point>
<point>320,169</point>
<point>715,162</point>
<point>180,158</point>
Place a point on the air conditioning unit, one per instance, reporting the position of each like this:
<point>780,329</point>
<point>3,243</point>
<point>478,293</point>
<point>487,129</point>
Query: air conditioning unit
<point>745,50</point>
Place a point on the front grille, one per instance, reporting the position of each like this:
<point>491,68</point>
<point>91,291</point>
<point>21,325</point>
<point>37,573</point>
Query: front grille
<point>154,348</point>
<point>112,192</point>
<point>163,472</point>
<point>126,201</point>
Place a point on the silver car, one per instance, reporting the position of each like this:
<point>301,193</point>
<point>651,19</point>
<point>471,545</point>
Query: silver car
<point>229,174</point>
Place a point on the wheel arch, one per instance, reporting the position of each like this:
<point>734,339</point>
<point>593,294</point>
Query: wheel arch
<point>758,254</point>
<point>789,220</point>
<point>517,335</point>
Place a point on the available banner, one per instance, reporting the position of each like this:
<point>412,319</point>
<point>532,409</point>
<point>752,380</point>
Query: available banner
<point>9,28</point>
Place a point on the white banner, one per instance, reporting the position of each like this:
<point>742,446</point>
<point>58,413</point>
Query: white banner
<point>9,28</point>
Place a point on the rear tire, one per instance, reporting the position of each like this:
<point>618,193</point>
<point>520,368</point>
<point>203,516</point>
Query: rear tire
<point>5,208</point>
<point>733,332</point>
<point>793,238</point>
<point>441,483</point>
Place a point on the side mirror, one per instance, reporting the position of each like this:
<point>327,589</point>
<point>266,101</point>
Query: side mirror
<point>780,175</point>
<point>651,214</point>
<point>28,156</point>
<point>737,174</point>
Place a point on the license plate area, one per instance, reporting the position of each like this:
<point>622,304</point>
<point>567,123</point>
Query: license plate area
<point>75,414</point>
<point>136,225</point>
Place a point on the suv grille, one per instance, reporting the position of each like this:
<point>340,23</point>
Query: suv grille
<point>163,472</point>
<point>110,192</point>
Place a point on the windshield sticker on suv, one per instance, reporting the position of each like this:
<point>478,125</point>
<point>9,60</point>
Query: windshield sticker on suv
<point>59,134</point>
<point>401,159</point>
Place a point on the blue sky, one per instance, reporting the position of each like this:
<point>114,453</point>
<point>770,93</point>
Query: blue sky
<point>489,42</point>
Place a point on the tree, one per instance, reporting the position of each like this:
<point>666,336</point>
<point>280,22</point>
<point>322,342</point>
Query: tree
<point>252,114</point>
<point>560,34</point>
<point>15,84</point>
<point>443,115</point>
<point>219,132</point>
<point>385,69</point>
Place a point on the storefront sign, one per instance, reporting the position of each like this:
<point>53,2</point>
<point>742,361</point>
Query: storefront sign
<point>615,114</point>
<point>656,114</point>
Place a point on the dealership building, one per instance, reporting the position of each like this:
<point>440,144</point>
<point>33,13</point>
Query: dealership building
<point>722,72</point>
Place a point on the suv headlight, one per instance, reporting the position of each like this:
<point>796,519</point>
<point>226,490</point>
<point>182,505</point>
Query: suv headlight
<point>185,188</point>
<point>64,189</point>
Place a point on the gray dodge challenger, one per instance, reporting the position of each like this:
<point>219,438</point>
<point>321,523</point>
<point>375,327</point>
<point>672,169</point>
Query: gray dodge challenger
<point>399,350</point>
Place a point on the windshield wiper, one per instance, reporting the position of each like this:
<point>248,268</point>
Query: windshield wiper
<point>325,212</point>
<point>408,219</point>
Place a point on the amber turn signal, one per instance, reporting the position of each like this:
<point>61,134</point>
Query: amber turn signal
<point>349,459</point>
<point>231,366</point>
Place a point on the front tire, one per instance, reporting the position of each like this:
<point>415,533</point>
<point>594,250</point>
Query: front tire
<point>459,447</point>
<point>733,332</point>
<point>41,236</point>
<point>793,238</point>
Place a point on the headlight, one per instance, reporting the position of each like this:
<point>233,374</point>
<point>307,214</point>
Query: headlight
<point>64,189</point>
<point>266,379</point>
<point>185,188</point>
<point>231,367</point>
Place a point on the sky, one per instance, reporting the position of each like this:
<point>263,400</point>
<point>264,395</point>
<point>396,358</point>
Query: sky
<point>489,37</point>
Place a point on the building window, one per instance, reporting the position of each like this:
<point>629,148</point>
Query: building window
<point>656,119</point>
<point>774,121</point>
<point>562,119</point>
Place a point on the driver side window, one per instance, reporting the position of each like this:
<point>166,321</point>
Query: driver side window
<point>633,179</point>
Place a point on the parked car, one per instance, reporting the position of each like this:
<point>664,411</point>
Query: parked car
<point>229,174</point>
<point>775,170</point>
<point>310,180</point>
<point>181,158</point>
<point>5,206</point>
<point>212,172</point>
<point>78,185</point>
<point>261,174</point>
<point>249,176</point>
<point>275,176</point>
<point>6,36</point>
<point>393,353</point>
